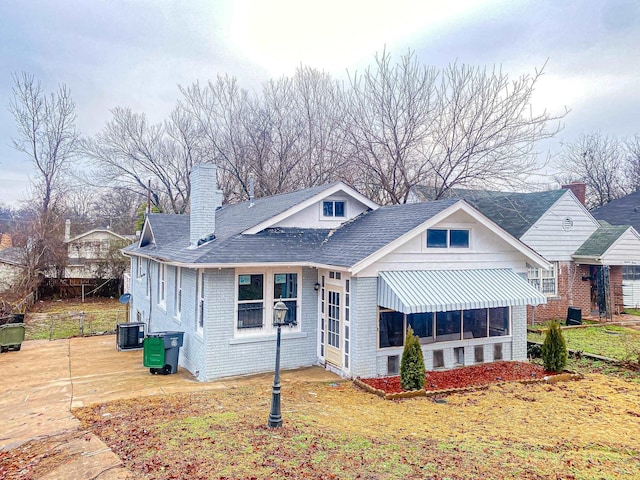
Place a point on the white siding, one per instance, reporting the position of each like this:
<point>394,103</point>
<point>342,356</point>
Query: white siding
<point>487,250</point>
<point>9,276</point>
<point>311,217</point>
<point>548,237</point>
<point>631,293</point>
<point>625,251</point>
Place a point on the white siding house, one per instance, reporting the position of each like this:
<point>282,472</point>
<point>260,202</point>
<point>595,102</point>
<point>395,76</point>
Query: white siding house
<point>352,274</point>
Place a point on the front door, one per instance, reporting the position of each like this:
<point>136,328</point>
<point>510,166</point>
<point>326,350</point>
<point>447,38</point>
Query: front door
<point>333,325</point>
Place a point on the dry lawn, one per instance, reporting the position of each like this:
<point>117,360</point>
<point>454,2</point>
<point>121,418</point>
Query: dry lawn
<point>587,429</point>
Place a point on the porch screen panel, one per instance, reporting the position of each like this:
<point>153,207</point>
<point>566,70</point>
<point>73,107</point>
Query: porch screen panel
<point>499,322</point>
<point>475,323</point>
<point>448,326</point>
<point>391,329</point>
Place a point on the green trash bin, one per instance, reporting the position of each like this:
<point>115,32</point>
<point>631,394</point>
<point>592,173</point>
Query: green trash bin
<point>161,351</point>
<point>11,336</point>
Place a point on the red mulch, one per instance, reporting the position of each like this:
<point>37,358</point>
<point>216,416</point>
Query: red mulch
<point>476,375</point>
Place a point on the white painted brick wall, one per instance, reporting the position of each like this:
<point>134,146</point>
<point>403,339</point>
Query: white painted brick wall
<point>227,358</point>
<point>519,334</point>
<point>364,328</point>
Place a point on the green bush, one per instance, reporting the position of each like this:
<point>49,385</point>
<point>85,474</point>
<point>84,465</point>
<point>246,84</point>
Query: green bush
<point>412,364</point>
<point>554,349</point>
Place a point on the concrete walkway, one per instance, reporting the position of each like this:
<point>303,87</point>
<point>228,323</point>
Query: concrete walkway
<point>44,380</point>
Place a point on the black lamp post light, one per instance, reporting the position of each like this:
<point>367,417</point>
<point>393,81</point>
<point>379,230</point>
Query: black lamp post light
<point>279,319</point>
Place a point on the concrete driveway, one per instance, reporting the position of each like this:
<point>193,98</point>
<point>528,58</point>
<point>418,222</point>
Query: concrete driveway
<point>44,380</point>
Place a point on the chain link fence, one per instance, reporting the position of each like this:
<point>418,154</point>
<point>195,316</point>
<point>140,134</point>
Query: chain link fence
<point>55,326</point>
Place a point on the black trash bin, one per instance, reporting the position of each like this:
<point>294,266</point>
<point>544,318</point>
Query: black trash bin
<point>153,358</point>
<point>574,316</point>
<point>129,335</point>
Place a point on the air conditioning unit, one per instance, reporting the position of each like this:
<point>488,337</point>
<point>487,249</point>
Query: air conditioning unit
<point>130,336</point>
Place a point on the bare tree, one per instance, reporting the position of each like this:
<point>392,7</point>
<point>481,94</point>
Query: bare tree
<point>388,115</point>
<point>485,133</point>
<point>598,161</point>
<point>220,110</point>
<point>117,208</point>
<point>318,103</point>
<point>47,135</point>
<point>632,164</point>
<point>46,132</point>
<point>130,152</point>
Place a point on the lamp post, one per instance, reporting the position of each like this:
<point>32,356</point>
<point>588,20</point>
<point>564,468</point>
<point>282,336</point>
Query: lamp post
<point>279,316</point>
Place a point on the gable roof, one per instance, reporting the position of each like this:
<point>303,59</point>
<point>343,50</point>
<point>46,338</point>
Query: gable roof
<point>12,256</point>
<point>303,199</point>
<point>344,246</point>
<point>622,211</point>
<point>356,240</point>
<point>95,230</point>
<point>353,243</point>
<point>516,212</point>
<point>601,240</point>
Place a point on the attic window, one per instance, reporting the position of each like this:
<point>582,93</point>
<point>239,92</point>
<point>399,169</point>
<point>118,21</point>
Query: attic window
<point>443,238</point>
<point>331,208</point>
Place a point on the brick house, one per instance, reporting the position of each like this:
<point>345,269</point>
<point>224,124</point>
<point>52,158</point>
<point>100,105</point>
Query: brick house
<point>625,211</point>
<point>352,274</point>
<point>587,256</point>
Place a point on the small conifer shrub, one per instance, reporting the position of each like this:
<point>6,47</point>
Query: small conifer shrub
<point>412,363</point>
<point>554,349</point>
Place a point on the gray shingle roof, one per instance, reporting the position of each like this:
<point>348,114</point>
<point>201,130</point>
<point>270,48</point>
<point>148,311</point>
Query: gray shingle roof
<point>515,212</point>
<point>623,211</point>
<point>12,256</point>
<point>352,242</point>
<point>600,241</point>
<point>356,240</point>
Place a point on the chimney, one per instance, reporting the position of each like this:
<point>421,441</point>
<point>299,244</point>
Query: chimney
<point>205,199</point>
<point>67,230</point>
<point>5,241</point>
<point>579,189</point>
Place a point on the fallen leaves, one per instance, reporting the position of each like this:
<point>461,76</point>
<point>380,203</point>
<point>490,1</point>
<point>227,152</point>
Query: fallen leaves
<point>511,430</point>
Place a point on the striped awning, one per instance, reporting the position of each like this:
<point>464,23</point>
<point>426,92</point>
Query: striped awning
<point>444,290</point>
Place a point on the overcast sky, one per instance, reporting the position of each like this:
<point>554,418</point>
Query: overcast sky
<point>135,53</point>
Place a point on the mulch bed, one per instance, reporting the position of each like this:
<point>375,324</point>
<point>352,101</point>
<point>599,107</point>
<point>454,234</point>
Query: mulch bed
<point>457,379</point>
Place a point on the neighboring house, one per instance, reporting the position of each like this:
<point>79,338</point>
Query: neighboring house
<point>625,211</point>
<point>587,258</point>
<point>94,254</point>
<point>353,275</point>
<point>94,263</point>
<point>12,267</point>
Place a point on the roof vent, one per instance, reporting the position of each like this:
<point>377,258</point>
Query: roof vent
<point>567,224</point>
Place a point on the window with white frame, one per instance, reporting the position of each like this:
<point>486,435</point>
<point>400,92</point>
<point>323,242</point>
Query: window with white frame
<point>139,272</point>
<point>258,292</point>
<point>333,208</point>
<point>447,238</point>
<point>545,281</point>
<point>250,301</point>
<point>200,302</point>
<point>162,284</point>
<point>177,292</point>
